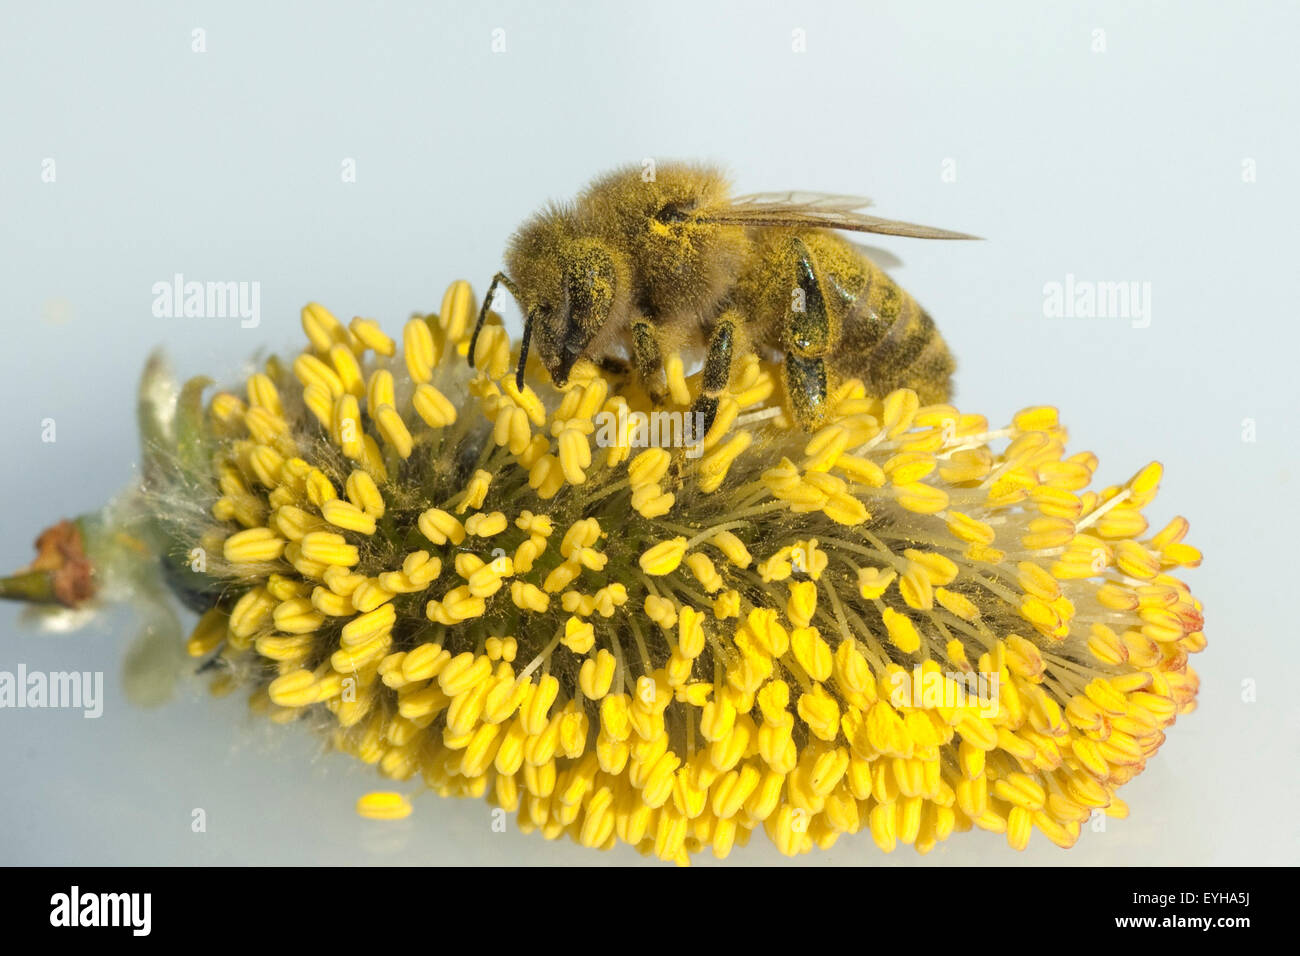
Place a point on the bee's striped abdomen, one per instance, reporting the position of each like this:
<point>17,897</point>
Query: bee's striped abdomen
<point>889,341</point>
<point>876,331</point>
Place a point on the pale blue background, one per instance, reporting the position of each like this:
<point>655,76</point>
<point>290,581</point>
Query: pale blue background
<point>1122,165</point>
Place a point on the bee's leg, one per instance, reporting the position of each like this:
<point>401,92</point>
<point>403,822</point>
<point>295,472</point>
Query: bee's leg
<point>716,372</point>
<point>805,381</point>
<point>806,339</point>
<point>649,360</point>
<point>613,365</point>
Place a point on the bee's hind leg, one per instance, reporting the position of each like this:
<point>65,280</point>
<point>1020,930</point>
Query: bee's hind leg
<point>715,374</point>
<point>806,339</point>
<point>805,381</point>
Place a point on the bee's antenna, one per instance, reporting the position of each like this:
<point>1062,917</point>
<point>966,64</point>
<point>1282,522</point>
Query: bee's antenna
<point>504,280</point>
<point>523,351</point>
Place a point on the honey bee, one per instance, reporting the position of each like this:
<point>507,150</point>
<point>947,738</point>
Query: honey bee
<point>642,266</point>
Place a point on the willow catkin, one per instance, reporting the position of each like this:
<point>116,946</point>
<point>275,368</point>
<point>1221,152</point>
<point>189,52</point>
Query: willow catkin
<point>908,623</point>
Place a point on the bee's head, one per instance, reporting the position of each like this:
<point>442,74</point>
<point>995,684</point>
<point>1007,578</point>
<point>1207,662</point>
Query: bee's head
<point>569,288</point>
<point>687,261</point>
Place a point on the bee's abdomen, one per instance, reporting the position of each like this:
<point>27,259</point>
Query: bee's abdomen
<point>879,333</point>
<point>890,342</point>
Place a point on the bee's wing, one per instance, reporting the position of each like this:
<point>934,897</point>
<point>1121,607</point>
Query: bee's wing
<point>880,257</point>
<point>802,199</point>
<point>815,211</point>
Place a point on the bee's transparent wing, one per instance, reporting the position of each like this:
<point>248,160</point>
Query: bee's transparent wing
<point>883,258</point>
<point>816,211</point>
<point>840,202</point>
